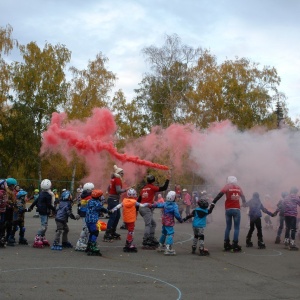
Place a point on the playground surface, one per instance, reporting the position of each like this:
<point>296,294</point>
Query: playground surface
<point>30,273</point>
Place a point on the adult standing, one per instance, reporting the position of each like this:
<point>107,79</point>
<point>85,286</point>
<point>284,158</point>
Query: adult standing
<point>233,194</point>
<point>147,196</point>
<point>115,190</point>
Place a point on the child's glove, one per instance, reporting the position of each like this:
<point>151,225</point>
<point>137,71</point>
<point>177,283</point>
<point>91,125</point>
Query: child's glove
<point>72,217</point>
<point>77,217</point>
<point>184,219</point>
<point>180,221</point>
<point>211,207</point>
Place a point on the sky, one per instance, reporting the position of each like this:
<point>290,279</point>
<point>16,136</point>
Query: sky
<point>264,31</point>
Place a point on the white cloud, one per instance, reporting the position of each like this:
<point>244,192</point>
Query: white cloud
<point>265,32</point>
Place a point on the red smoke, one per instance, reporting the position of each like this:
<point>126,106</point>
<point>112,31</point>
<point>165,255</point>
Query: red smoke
<point>91,137</point>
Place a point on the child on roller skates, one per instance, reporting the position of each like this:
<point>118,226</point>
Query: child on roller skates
<point>280,208</point>
<point>170,212</point>
<point>130,206</point>
<point>255,209</point>
<point>82,207</point>
<point>290,204</point>
<point>63,213</point>
<point>19,220</point>
<point>81,210</point>
<point>3,204</point>
<point>199,223</point>
<point>44,206</point>
<point>93,212</point>
<point>233,194</point>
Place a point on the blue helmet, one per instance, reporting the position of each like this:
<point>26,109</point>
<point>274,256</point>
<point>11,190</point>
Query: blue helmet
<point>2,184</point>
<point>21,194</point>
<point>11,181</point>
<point>65,195</point>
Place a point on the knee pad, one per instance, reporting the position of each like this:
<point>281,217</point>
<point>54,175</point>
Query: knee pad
<point>196,236</point>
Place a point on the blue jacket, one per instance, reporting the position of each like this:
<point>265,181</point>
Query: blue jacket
<point>199,220</point>
<point>170,212</point>
<point>93,209</point>
<point>64,211</point>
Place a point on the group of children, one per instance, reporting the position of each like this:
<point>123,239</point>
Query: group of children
<point>90,208</point>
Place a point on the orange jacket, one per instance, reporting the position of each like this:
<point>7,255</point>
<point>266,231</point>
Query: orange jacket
<point>129,210</point>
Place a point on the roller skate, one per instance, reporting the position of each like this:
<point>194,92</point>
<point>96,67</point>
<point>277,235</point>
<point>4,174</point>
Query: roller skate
<point>261,244</point>
<point>81,245</point>
<point>194,249</point>
<point>161,247</point>
<point>203,252</point>
<point>45,241</point>
<point>92,249</point>
<point>236,247</point>
<point>286,242</point>
<point>115,235</point>
<point>23,241</point>
<point>169,251</point>
<point>227,245</point>
<point>56,246</point>
<point>38,243</point>
<point>67,245</point>
<point>2,242</point>
<point>11,241</point>
<point>249,243</point>
<point>148,244</point>
<point>293,246</point>
<point>129,247</point>
<point>277,240</point>
<point>154,241</point>
<point>108,236</point>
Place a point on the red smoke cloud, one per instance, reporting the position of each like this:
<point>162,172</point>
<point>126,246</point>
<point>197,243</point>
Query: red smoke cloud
<point>88,138</point>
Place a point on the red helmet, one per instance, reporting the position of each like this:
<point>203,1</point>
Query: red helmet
<point>96,194</point>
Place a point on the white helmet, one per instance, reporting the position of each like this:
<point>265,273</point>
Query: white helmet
<point>231,179</point>
<point>171,196</point>
<point>88,186</point>
<point>131,193</point>
<point>46,184</point>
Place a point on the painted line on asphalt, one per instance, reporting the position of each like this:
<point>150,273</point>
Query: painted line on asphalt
<point>103,270</point>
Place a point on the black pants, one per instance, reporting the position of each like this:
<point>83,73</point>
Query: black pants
<point>290,227</point>
<point>255,223</point>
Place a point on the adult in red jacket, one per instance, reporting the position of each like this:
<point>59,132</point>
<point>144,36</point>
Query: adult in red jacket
<point>115,190</point>
<point>233,194</point>
<point>147,196</point>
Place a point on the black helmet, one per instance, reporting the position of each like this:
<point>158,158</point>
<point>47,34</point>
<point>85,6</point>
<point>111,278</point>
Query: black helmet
<point>203,203</point>
<point>150,178</point>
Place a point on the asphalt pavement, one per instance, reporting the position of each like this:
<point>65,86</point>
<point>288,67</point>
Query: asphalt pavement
<point>30,273</point>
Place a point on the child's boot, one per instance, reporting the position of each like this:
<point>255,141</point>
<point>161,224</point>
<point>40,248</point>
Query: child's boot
<point>11,241</point>
<point>23,241</point>
<point>248,242</point>
<point>261,244</point>
<point>203,251</point>
<point>45,242</point>
<point>169,250</point>
<point>194,249</point>
<point>38,243</point>
<point>129,247</point>
<point>236,247</point>
<point>67,245</point>
<point>286,242</point>
<point>108,236</point>
<point>161,247</point>
<point>56,246</point>
<point>93,250</point>
<point>227,245</point>
<point>293,246</point>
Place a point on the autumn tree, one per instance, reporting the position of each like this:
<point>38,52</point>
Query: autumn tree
<point>38,88</point>
<point>189,86</point>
